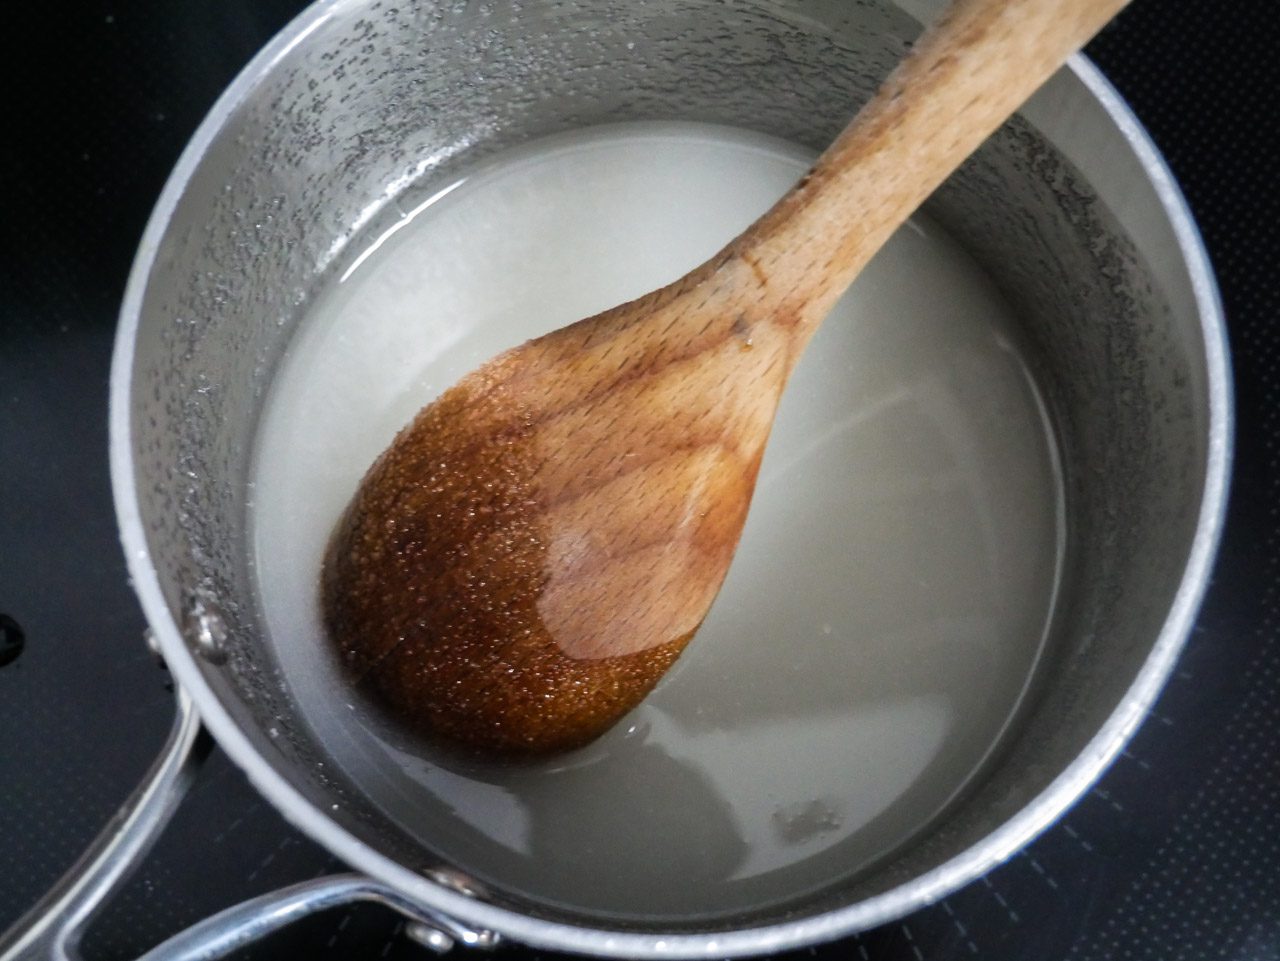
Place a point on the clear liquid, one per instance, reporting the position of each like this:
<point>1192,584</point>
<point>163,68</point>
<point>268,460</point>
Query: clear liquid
<point>887,604</point>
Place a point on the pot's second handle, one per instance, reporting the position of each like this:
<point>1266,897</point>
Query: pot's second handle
<point>52,929</point>
<point>245,923</point>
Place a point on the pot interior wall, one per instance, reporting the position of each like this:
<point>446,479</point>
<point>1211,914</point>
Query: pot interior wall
<point>378,97</point>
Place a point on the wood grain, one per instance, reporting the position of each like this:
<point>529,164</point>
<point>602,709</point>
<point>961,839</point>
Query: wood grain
<point>535,549</point>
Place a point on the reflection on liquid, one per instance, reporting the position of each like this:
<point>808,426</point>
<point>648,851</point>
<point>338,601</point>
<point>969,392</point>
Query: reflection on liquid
<point>656,803</point>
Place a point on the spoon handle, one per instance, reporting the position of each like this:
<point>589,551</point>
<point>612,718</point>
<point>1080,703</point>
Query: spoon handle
<point>967,73</point>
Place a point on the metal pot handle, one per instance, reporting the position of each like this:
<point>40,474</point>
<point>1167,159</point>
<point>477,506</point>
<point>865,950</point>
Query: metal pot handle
<point>52,929</point>
<point>244,923</point>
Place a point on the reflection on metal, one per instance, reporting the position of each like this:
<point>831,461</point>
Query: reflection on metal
<point>456,880</point>
<point>206,630</point>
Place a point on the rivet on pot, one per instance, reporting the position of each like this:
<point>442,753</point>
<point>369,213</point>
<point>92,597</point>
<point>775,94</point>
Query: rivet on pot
<point>206,631</point>
<point>433,939</point>
<point>482,940</point>
<point>444,936</point>
<point>455,880</point>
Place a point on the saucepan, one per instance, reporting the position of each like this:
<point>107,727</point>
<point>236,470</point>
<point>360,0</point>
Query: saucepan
<point>359,103</point>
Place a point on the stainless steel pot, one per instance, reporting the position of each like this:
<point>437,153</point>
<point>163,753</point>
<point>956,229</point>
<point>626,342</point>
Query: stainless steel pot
<point>1068,207</point>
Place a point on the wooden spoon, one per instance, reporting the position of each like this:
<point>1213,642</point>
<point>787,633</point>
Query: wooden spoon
<point>534,550</point>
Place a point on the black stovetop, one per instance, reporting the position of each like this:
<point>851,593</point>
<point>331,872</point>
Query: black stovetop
<point>1174,855</point>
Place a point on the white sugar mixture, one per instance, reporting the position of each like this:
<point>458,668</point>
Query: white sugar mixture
<point>887,604</point>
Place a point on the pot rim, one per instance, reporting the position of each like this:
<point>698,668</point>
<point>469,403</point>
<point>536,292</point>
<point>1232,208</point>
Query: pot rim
<point>897,902</point>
